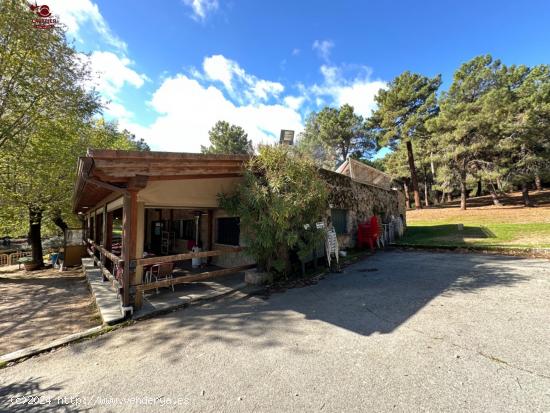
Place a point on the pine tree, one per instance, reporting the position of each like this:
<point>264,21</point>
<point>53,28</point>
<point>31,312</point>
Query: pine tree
<point>403,109</point>
<point>228,139</point>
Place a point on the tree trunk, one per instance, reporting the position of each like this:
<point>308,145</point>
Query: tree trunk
<point>463,193</point>
<point>442,197</point>
<point>494,195</point>
<point>414,178</point>
<point>35,225</point>
<point>449,197</point>
<point>426,199</point>
<point>479,188</point>
<point>525,194</point>
<point>538,182</point>
<point>58,220</point>
<point>407,196</point>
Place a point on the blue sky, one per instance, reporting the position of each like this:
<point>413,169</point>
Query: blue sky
<point>168,70</point>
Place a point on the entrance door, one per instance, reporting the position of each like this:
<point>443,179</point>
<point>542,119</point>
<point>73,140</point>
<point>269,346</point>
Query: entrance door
<point>156,236</point>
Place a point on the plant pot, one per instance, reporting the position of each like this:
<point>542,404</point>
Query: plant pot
<point>253,277</point>
<point>30,266</point>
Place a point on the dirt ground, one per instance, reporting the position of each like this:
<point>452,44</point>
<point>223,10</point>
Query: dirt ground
<point>482,209</point>
<point>39,306</point>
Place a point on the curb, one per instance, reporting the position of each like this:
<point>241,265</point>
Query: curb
<point>512,251</point>
<point>27,352</point>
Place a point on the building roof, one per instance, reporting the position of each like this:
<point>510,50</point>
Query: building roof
<point>361,172</point>
<point>102,172</point>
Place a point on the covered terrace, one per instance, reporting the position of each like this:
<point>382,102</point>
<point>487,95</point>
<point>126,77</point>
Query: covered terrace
<point>147,209</point>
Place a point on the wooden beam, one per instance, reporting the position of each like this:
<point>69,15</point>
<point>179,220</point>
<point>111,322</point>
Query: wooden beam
<point>186,256</point>
<point>105,185</point>
<point>193,278</point>
<point>137,182</point>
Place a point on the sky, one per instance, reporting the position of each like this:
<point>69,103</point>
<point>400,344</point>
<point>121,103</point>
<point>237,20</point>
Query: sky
<point>167,71</point>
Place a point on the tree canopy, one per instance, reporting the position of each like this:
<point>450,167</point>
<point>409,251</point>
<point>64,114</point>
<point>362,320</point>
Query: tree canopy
<point>332,135</point>
<point>228,139</point>
<point>42,78</point>
<point>490,128</point>
<point>403,109</point>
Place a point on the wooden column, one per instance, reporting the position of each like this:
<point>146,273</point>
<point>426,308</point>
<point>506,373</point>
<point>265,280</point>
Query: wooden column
<point>210,235</point>
<point>129,232</point>
<point>129,235</point>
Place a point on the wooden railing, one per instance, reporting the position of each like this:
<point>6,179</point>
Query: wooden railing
<point>186,256</point>
<point>186,279</point>
<point>91,247</point>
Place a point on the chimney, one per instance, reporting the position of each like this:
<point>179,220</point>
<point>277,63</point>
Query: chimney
<point>287,137</point>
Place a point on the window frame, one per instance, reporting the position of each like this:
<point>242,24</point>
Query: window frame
<point>346,222</point>
<point>224,241</point>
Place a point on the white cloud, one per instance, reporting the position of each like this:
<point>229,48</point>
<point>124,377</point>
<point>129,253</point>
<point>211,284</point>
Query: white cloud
<point>189,104</point>
<point>74,13</point>
<point>294,102</point>
<point>338,89</point>
<point>323,48</point>
<point>187,110</point>
<point>113,72</point>
<point>201,7</point>
<point>220,68</point>
<point>295,51</point>
<point>240,85</point>
<point>262,89</point>
<point>118,111</point>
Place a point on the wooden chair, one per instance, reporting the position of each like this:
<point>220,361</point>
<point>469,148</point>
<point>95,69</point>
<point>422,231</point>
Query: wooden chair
<point>162,271</point>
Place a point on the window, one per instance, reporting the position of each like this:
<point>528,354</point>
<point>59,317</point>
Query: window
<point>340,220</point>
<point>228,231</point>
<point>186,229</point>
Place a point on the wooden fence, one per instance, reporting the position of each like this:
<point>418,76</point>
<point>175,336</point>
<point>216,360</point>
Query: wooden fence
<point>11,259</point>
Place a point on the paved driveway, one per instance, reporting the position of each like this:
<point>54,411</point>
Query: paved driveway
<point>402,331</point>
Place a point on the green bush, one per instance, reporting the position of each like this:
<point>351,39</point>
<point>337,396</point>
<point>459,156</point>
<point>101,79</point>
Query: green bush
<point>278,203</point>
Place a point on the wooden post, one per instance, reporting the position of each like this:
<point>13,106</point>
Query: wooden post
<point>210,228</point>
<point>129,226</point>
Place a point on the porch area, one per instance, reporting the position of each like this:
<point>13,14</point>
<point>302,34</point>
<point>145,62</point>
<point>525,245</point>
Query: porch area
<point>154,228</point>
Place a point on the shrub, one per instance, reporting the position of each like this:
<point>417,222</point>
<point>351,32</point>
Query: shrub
<point>278,203</point>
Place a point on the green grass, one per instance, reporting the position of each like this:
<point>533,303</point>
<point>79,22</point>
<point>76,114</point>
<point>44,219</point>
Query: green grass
<point>478,234</point>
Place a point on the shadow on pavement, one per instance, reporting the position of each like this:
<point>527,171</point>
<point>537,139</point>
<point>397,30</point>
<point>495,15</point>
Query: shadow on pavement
<point>376,295</point>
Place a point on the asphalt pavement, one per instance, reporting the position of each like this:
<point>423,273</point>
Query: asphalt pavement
<point>399,331</point>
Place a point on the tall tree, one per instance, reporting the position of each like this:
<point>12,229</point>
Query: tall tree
<point>332,135</point>
<point>396,165</point>
<point>465,127</point>
<point>229,139</point>
<point>526,141</point>
<point>403,108</point>
<point>41,76</point>
<point>37,180</point>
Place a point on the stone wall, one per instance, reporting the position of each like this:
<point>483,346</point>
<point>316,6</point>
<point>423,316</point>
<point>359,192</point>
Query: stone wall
<point>229,260</point>
<point>362,201</point>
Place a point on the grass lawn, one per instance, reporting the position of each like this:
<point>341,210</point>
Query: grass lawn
<point>485,225</point>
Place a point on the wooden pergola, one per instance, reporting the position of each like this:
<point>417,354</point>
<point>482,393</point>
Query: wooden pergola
<point>107,177</point>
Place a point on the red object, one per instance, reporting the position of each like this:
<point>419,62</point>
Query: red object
<point>368,233</point>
